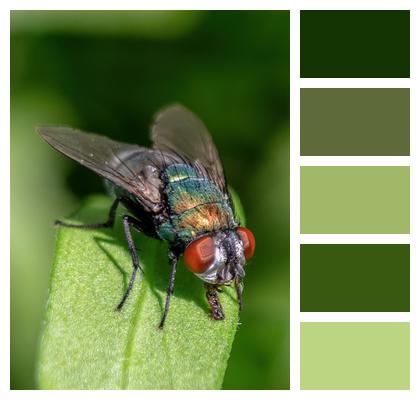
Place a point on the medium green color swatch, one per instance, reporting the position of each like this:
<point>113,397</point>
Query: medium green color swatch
<point>355,200</point>
<point>355,355</point>
<point>355,44</point>
<point>355,122</point>
<point>355,277</point>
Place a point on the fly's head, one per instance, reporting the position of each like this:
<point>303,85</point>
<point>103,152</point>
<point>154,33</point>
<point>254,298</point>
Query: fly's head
<point>220,257</point>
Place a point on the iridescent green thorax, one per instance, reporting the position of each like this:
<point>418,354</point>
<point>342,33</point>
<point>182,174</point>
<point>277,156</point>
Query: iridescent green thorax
<point>196,205</point>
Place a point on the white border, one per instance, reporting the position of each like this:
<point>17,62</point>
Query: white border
<point>355,239</point>
<point>354,161</point>
<point>5,199</point>
<point>326,83</point>
<point>354,317</point>
<point>296,161</point>
<point>414,199</point>
<point>294,5</point>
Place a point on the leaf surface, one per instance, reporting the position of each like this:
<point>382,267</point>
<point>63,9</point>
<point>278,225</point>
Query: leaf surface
<point>86,344</point>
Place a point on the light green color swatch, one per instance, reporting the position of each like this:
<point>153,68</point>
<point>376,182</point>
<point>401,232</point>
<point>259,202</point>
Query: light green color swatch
<point>355,200</point>
<point>355,355</point>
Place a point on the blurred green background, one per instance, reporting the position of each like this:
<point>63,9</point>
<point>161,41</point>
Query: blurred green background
<point>109,72</point>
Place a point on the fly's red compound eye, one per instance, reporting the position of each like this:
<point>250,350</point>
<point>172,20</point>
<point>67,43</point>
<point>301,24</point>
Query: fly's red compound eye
<point>248,241</point>
<point>199,254</point>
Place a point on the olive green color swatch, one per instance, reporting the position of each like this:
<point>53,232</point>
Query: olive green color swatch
<point>355,277</point>
<point>355,355</point>
<point>355,44</point>
<point>355,122</point>
<point>355,199</point>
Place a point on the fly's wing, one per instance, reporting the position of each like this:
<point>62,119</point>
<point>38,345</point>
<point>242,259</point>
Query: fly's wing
<point>134,168</point>
<point>177,130</point>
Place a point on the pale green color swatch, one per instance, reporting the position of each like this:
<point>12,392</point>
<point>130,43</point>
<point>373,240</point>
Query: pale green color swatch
<point>355,355</point>
<point>355,199</point>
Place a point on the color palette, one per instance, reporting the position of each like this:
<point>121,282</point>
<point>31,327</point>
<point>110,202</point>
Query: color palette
<point>355,122</point>
<point>355,355</point>
<point>355,277</point>
<point>355,44</point>
<point>354,245</point>
<point>355,199</point>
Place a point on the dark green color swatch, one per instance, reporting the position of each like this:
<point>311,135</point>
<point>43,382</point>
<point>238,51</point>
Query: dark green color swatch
<point>354,277</point>
<point>355,44</point>
<point>355,122</point>
<point>355,355</point>
<point>355,199</point>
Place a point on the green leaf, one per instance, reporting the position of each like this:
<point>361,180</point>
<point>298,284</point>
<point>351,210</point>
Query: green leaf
<point>86,344</point>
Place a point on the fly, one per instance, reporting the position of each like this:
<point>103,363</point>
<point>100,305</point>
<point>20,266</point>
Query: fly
<point>175,191</point>
<point>214,302</point>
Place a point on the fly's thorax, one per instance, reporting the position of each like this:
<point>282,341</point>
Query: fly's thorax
<point>185,190</point>
<point>179,172</point>
<point>228,260</point>
<point>195,206</point>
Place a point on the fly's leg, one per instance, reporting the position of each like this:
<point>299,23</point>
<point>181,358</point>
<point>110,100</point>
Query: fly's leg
<point>214,302</point>
<point>128,222</point>
<point>238,287</point>
<point>107,224</point>
<point>173,260</point>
